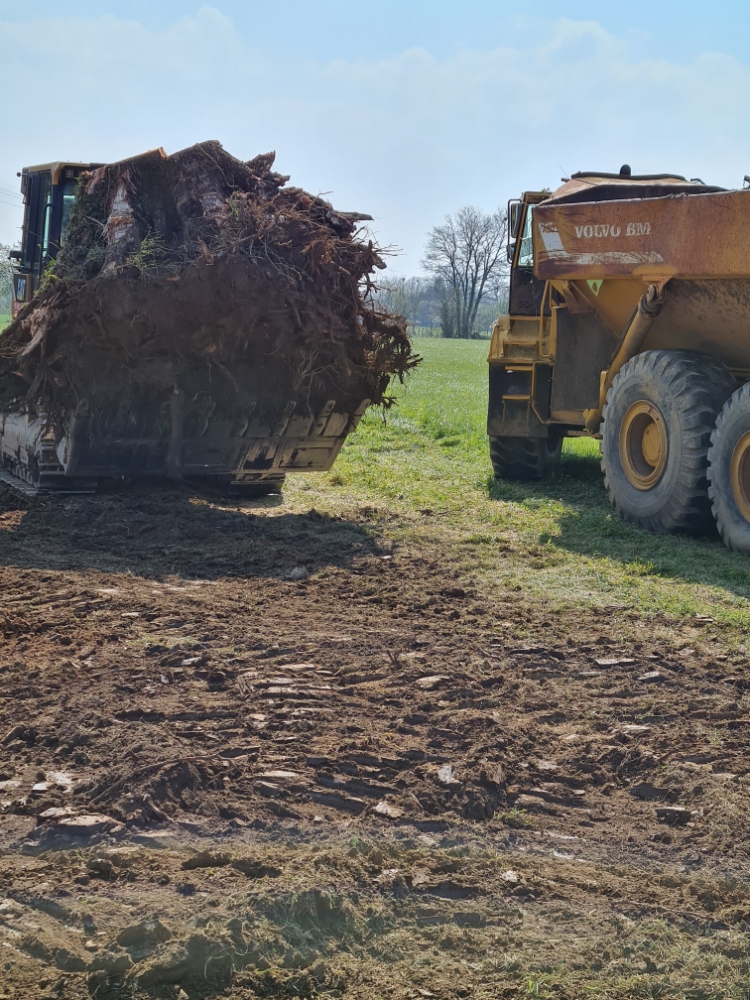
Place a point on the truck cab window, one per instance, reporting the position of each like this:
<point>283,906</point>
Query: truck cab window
<point>38,198</point>
<point>526,250</point>
<point>526,291</point>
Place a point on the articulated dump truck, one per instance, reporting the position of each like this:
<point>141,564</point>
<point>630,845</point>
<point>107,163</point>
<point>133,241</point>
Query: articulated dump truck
<point>187,316</point>
<point>630,321</point>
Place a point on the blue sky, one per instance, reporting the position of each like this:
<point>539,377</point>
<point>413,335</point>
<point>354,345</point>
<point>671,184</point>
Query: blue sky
<point>406,110</point>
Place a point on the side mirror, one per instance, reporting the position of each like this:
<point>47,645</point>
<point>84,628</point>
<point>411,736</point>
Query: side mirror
<point>515,211</point>
<point>511,251</point>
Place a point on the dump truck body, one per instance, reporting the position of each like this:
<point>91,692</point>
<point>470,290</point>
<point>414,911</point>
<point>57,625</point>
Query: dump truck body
<point>699,244</point>
<point>607,269</point>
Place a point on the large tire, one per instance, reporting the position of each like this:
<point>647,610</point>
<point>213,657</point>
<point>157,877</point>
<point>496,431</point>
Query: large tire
<point>729,471</point>
<point>524,459</point>
<point>656,430</point>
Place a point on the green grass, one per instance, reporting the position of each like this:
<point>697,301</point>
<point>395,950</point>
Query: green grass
<point>4,320</point>
<point>558,540</point>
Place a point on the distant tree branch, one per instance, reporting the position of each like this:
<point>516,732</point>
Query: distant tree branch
<point>403,296</point>
<point>6,270</point>
<point>6,278</point>
<point>467,254</point>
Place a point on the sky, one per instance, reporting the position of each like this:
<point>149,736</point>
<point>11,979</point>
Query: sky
<point>405,109</point>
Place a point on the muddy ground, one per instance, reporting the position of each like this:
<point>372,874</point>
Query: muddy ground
<point>252,751</point>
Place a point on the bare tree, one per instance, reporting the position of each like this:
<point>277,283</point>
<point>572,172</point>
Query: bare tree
<point>403,296</point>
<point>6,278</point>
<point>467,253</point>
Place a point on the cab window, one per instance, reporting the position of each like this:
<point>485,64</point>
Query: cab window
<point>526,250</point>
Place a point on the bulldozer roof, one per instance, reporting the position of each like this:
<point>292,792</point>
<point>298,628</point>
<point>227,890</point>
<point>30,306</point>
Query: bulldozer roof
<point>56,168</point>
<point>600,186</point>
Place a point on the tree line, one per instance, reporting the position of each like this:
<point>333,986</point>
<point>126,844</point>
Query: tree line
<point>465,286</point>
<point>6,280</point>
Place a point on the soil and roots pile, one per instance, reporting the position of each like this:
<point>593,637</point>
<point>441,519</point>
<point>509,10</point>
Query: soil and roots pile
<point>178,269</point>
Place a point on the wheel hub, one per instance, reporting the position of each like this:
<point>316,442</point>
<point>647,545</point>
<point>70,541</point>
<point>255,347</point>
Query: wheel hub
<point>739,475</point>
<point>644,446</point>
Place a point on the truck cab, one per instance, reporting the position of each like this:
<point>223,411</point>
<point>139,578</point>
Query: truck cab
<point>48,192</point>
<point>525,439</point>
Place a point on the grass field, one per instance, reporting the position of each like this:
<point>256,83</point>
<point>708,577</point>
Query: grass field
<point>4,320</point>
<point>557,540</point>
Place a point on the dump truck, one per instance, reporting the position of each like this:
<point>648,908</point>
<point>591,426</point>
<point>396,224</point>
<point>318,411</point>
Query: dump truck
<point>187,316</point>
<point>629,321</point>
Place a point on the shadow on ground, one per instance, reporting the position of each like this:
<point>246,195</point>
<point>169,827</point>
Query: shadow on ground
<point>588,526</point>
<point>159,530</point>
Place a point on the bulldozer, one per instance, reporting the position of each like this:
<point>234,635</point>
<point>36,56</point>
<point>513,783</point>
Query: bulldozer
<point>236,430</point>
<point>629,322</point>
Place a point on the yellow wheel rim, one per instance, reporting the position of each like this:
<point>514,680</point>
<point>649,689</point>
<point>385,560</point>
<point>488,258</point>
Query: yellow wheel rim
<point>739,475</point>
<point>644,446</point>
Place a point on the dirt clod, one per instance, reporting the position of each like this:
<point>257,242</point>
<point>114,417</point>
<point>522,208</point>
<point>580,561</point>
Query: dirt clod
<point>207,859</point>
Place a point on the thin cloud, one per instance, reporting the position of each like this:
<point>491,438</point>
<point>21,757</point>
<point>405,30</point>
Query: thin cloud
<point>407,138</point>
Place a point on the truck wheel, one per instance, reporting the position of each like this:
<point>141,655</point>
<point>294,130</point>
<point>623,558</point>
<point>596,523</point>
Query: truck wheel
<point>656,429</point>
<point>524,459</point>
<point>729,471</point>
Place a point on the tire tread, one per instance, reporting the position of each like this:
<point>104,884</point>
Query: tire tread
<point>738,400</point>
<point>701,386</point>
<point>521,459</point>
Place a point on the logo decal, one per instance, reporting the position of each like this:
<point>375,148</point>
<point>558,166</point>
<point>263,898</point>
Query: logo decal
<point>602,231</point>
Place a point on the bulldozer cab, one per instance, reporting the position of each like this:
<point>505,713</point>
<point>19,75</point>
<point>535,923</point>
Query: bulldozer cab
<point>48,193</point>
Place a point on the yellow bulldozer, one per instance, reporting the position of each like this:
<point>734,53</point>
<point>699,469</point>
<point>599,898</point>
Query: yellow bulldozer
<point>187,316</point>
<point>629,320</point>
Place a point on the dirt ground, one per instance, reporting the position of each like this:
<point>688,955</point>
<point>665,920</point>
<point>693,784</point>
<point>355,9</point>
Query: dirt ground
<point>247,751</point>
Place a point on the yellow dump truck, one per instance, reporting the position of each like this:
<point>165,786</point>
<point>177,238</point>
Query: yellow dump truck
<point>629,320</point>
